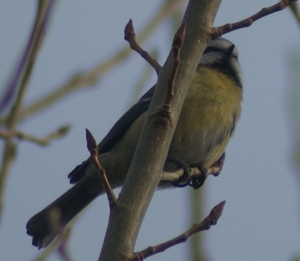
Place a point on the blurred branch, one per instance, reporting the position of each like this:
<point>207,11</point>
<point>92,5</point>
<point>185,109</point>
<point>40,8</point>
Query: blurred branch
<point>31,50</point>
<point>293,105</point>
<point>28,58</point>
<point>59,133</point>
<point>196,245</point>
<point>61,239</point>
<point>295,11</point>
<point>142,79</point>
<point>62,247</point>
<point>82,79</point>
<point>296,257</point>
<point>206,224</point>
<point>38,31</point>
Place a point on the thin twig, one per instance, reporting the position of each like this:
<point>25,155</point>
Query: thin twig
<point>129,36</point>
<point>206,224</point>
<point>59,133</point>
<point>219,31</point>
<point>94,151</point>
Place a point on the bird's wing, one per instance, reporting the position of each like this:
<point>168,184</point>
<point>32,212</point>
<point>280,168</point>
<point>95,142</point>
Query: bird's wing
<point>115,134</point>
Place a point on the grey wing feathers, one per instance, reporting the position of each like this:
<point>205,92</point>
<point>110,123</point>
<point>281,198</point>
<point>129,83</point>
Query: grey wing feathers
<point>115,134</point>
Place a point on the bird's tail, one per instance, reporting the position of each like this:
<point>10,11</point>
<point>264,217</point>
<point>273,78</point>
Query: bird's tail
<point>46,225</point>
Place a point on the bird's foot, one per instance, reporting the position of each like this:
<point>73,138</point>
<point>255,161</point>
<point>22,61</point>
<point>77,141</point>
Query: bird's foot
<point>185,179</point>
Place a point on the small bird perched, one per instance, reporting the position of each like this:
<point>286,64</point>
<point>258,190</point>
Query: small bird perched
<point>207,122</point>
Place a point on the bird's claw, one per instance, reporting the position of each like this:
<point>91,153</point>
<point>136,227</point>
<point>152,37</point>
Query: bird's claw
<point>186,179</point>
<point>197,182</point>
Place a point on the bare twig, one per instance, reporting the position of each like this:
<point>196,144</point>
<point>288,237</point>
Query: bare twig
<point>214,170</point>
<point>176,48</point>
<point>59,133</point>
<point>219,31</point>
<point>209,221</point>
<point>129,36</point>
<point>93,149</point>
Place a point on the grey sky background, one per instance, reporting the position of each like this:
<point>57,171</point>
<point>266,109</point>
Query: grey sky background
<point>261,217</point>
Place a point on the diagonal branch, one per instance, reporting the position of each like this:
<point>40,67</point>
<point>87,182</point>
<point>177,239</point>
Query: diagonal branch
<point>206,224</point>
<point>229,27</point>
<point>94,151</point>
<point>59,133</point>
<point>129,36</point>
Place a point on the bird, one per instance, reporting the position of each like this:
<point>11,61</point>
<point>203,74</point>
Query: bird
<point>206,123</point>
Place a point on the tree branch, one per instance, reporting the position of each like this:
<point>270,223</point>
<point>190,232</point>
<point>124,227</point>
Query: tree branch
<point>209,221</point>
<point>145,170</point>
<point>219,31</point>
<point>94,150</point>
<point>59,133</point>
<point>129,36</point>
